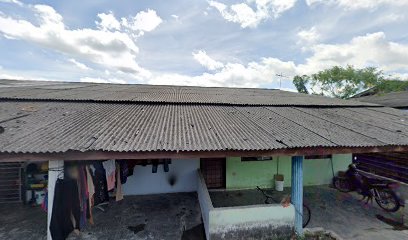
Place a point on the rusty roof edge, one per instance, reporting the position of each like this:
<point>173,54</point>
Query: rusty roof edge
<point>105,155</point>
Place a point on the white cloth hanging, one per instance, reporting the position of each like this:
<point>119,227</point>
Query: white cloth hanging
<point>110,173</point>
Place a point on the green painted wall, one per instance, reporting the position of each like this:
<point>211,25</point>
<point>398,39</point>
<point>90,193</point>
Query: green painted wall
<point>250,174</point>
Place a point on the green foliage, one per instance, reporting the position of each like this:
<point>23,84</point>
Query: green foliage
<point>340,82</point>
<point>388,86</point>
<point>300,83</point>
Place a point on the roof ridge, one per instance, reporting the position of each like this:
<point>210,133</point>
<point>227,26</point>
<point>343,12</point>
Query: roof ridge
<point>7,99</point>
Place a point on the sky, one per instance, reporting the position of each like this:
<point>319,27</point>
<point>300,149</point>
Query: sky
<point>233,43</point>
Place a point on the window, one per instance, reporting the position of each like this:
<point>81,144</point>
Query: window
<point>249,159</point>
<point>318,156</point>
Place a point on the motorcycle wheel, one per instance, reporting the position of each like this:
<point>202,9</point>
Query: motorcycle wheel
<point>307,214</point>
<point>342,184</point>
<point>388,200</point>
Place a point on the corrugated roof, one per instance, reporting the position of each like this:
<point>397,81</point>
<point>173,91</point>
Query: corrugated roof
<point>393,99</point>
<point>59,91</point>
<point>43,127</point>
<point>44,117</point>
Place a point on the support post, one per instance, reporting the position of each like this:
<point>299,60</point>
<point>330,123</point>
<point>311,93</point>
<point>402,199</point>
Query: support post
<point>55,171</point>
<point>297,192</point>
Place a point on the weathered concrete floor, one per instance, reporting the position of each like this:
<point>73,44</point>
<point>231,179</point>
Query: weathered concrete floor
<point>22,222</point>
<point>331,209</point>
<point>163,216</point>
<point>344,214</point>
<point>167,215</point>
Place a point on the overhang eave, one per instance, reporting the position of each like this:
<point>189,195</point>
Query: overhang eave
<point>105,155</point>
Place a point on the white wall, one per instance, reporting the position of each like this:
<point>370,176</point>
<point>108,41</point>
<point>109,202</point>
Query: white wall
<point>205,202</point>
<point>144,181</point>
<point>265,221</point>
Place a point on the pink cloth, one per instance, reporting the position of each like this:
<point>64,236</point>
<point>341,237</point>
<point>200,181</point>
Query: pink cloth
<point>110,167</point>
<point>110,180</point>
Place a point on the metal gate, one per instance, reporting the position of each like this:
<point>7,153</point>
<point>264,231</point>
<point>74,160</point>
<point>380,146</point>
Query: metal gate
<point>10,182</point>
<point>392,165</point>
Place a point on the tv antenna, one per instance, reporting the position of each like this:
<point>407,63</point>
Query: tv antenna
<point>280,75</point>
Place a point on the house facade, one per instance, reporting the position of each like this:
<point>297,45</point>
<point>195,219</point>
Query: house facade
<point>193,139</point>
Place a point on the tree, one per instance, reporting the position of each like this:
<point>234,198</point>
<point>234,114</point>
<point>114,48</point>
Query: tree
<point>340,82</point>
<point>300,83</point>
<point>388,86</point>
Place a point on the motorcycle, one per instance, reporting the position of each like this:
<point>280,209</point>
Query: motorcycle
<point>381,190</point>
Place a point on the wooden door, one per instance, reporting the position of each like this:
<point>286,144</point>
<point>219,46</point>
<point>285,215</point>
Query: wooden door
<point>213,170</point>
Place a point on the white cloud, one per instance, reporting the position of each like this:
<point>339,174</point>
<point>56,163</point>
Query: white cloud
<point>114,48</point>
<point>309,36</point>
<point>367,50</point>
<point>362,51</point>
<point>108,22</point>
<point>111,49</point>
<point>253,74</point>
<point>359,4</point>
<point>144,21</point>
<point>78,64</point>
<point>247,16</point>
<point>391,17</point>
<point>103,80</point>
<point>400,76</point>
<point>11,76</point>
<point>209,63</point>
<point>12,1</point>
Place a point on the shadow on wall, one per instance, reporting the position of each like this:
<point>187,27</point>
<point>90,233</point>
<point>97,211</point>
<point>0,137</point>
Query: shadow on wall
<point>181,177</point>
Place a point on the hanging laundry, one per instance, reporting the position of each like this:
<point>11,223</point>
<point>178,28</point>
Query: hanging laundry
<point>91,190</point>
<point>83,195</point>
<point>124,171</point>
<point>110,173</point>
<point>119,192</point>
<point>65,208</point>
<point>99,180</point>
<point>131,166</point>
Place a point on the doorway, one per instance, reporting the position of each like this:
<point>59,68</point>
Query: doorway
<point>213,170</point>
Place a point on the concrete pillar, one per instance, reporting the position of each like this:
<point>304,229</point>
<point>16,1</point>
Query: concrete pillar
<point>55,171</point>
<point>297,192</point>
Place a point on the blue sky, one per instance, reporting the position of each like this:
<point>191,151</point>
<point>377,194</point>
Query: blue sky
<point>240,43</point>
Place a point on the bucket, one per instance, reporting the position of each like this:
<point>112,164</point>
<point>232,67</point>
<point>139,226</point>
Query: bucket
<point>279,182</point>
<point>39,197</point>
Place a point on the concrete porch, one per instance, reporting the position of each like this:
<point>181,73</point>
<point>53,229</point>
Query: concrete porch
<point>167,215</point>
<point>172,216</point>
<point>332,210</point>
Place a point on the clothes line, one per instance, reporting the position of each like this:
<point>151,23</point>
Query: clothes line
<point>80,188</point>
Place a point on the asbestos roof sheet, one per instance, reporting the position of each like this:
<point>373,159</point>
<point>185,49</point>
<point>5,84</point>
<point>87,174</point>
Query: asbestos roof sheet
<point>393,99</point>
<point>60,91</point>
<point>44,127</point>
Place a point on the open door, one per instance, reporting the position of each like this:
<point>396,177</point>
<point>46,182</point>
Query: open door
<point>213,170</point>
